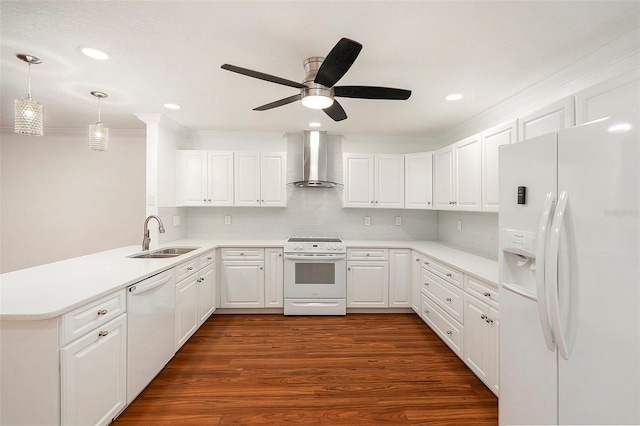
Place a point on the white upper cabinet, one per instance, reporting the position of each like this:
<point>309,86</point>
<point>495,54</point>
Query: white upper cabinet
<point>556,116</point>
<point>205,178</point>
<point>374,180</point>
<point>443,178</point>
<point>468,174</point>
<point>608,98</point>
<point>260,179</point>
<point>492,140</point>
<point>457,176</point>
<point>418,181</point>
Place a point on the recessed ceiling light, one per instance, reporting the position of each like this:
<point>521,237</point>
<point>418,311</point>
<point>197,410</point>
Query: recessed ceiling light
<point>454,97</point>
<point>95,53</point>
<point>172,106</point>
<point>315,124</point>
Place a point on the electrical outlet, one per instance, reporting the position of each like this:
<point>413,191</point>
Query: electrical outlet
<point>227,220</point>
<point>176,221</point>
<point>367,220</point>
<point>459,224</point>
<point>398,220</point>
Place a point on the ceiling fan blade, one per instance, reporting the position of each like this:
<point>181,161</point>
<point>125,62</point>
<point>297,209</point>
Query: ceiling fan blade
<point>336,112</point>
<point>371,92</point>
<point>263,76</point>
<point>338,62</point>
<point>278,103</point>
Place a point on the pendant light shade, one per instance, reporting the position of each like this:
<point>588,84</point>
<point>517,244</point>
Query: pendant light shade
<point>98,133</point>
<point>29,119</point>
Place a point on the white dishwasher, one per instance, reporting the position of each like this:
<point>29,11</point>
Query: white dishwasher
<point>151,329</point>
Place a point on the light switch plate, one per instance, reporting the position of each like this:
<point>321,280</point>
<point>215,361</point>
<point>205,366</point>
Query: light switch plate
<point>398,220</point>
<point>227,220</point>
<point>367,220</point>
<point>459,224</point>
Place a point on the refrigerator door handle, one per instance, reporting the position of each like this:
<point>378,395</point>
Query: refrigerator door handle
<point>551,280</point>
<point>543,230</point>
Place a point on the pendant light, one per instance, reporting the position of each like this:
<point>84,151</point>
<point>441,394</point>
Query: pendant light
<point>98,134</point>
<point>29,113</point>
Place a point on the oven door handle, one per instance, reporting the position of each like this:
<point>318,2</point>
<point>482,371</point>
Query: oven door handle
<point>315,257</point>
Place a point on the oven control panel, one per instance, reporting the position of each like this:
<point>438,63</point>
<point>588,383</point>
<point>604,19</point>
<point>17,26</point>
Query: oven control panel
<point>315,247</point>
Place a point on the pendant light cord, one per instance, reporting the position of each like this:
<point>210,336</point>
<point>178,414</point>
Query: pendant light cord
<point>29,87</point>
<point>99,99</point>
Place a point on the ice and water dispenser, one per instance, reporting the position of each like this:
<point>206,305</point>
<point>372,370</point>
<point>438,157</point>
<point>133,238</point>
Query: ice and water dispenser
<point>518,251</point>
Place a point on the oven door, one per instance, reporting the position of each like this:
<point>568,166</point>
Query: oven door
<point>315,276</point>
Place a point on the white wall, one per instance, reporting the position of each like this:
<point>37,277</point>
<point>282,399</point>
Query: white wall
<point>62,200</point>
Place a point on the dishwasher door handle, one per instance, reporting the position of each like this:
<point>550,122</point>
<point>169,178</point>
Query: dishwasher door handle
<point>142,287</point>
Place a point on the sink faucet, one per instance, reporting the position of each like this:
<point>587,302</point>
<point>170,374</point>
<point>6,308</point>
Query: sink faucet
<point>146,240</point>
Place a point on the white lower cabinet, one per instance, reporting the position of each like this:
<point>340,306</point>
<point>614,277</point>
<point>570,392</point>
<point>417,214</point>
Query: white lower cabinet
<point>93,375</point>
<point>367,280</point>
<point>242,278</point>
<point>399,278</point>
<point>273,278</point>
<point>449,330</point>
<point>480,341</point>
<point>195,295</point>
<point>416,275</point>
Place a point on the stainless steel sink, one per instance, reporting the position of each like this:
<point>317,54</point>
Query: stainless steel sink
<point>163,253</point>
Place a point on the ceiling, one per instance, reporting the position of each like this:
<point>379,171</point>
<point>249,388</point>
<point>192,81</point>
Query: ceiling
<point>171,51</point>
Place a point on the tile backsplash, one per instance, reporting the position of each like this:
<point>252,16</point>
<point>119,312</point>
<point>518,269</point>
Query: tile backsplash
<point>310,212</point>
<point>478,233</point>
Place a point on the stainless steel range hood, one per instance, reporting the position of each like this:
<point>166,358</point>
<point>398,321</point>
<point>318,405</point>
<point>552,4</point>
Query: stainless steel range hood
<point>315,163</point>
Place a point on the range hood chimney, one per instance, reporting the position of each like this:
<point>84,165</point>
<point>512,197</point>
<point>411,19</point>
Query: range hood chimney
<point>314,158</point>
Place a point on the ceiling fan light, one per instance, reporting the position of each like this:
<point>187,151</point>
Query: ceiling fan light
<point>317,101</point>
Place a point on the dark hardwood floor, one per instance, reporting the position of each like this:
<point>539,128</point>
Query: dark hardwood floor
<point>364,369</point>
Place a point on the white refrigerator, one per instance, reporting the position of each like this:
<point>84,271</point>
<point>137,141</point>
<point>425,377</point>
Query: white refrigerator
<point>570,276</point>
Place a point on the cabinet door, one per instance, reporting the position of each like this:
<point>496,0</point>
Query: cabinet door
<point>186,309</point>
<point>608,98</point>
<point>444,178</point>
<point>192,178</point>
<point>206,293</point>
<point>94,375</point>
<point>247,178</point>
<point>273,168</point>
<point>494,351</point>
<point>274,278</point>
<point>418,181</point>
<point>389,181</point>
<point>416,286</point>
<point>242,284</point>
<point>476,341</point>
<point>220,178</point>
<point>492,140</point>
<point>358,180</point>
<point>400,278</point>
<point>556,116</point>
<point>468,174</point>
<point>368,284</point>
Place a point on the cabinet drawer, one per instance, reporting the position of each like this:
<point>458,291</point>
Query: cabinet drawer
<point>445,272</point>
<point>448,297</point>
<point>242,253</point>
<point>207,259</point>
<point>368,254</point>
<point>84,319</point>
<point>440,322</point>
<point>185,269</point>
<point>482,290</point>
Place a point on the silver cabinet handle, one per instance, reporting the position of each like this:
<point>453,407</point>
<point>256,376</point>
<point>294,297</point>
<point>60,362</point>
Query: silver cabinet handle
<point>449,333</point>
<point>371,202</point>
<point>448,299</point>
<point>429,203</point>
<point>241,254</point>
<point>483,316</point>
<point>489,320</point>
<point>189,268</point>
<point>204,200</point>
<point>102,312</point>
<point>209,258</point>
<point>261,268</point>
<point>103,333</point>
<point>209,200</point>
<point>426,312</point>
<point>417,260</point>
<point>368,254</point>
<point>348,269</point>
<point>279,254</point>
<point>448,274</point>
<point>427,284</point>
<point>486,294</point>
<point>426,263</point>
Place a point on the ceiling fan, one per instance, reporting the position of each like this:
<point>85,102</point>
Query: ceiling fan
<point>317,90</point>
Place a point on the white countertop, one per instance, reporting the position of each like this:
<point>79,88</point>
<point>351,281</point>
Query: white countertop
<point>53,289</point>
